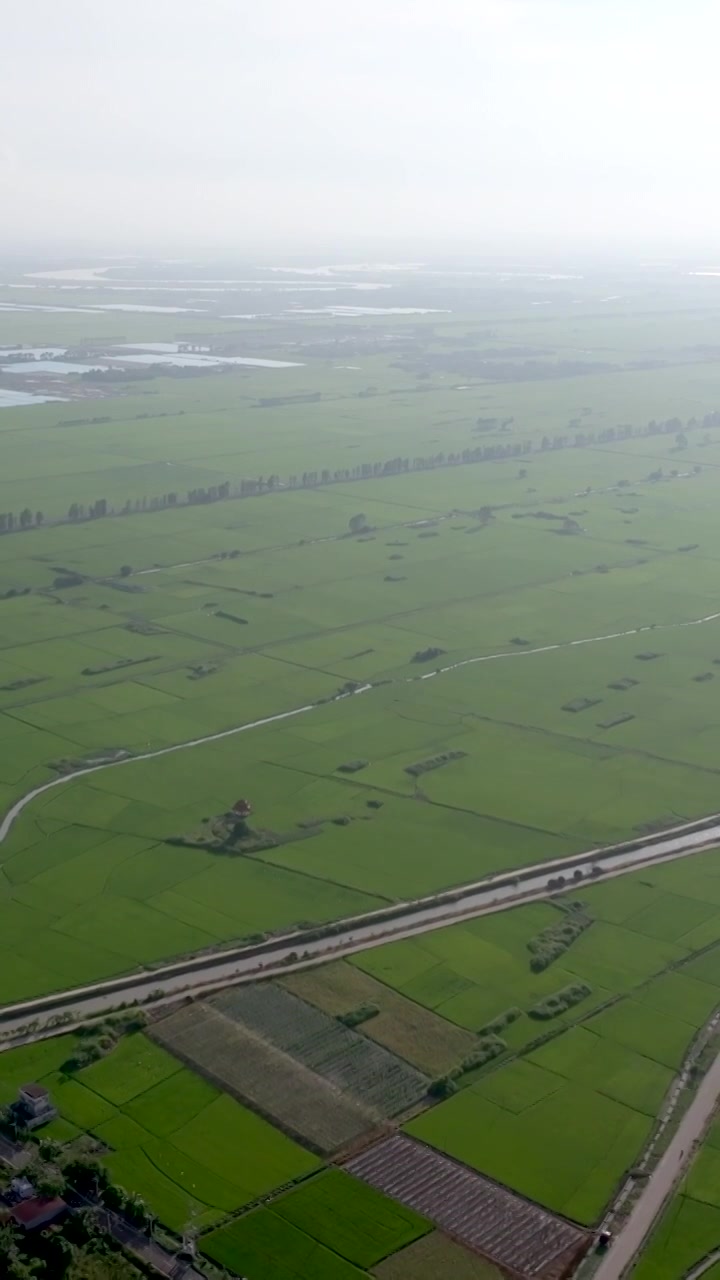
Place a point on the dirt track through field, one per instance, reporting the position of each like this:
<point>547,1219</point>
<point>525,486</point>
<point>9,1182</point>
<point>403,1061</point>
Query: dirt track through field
<point>16,809</point>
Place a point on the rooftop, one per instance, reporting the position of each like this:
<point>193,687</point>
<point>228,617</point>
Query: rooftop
<point>34,1090</point>
<point>36,1212</point>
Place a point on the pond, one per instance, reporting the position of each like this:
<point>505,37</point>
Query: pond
<point>50,366</point>
<point>17,399</point>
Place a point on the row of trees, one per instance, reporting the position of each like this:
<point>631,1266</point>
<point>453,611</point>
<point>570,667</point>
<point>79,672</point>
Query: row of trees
<point>488,452</point>
<point>25,520</point>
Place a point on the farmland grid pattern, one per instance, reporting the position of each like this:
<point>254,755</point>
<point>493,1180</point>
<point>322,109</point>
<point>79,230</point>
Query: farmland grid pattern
<point>512,1232</point>
<point>286,1092</point>
<point>366,1070</point>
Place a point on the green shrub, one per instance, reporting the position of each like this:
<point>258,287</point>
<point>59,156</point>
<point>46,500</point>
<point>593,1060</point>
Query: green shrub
<point>554,941</point>
<point>356,1016</point>
<point>443,1087</point>
<point>489,1047</point>
<point>553,1005</point>
<point>502,1021</point>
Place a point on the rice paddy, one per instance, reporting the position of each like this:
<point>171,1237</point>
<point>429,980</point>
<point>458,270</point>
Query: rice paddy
<point>169,1135</point>
<point>139,661</point>
<point>206,553</point>
<point>689,1228</point>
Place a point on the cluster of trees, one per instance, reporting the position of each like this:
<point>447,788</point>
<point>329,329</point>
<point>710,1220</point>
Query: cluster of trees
<point>558,882</point>
<point>499,1023</point>
<point>663,427</point>
<point>9,522</point>
<point>552,1006</point>
<point>98,1038</point>
<point>355,1017</point>
<point>489,1047</point>
<point>427,655</point>
<point>553,942</point>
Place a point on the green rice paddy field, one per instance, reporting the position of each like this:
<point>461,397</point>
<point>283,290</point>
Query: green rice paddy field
<point>564,1121</point>
<point>196,1158</point>
<point>89,887</point>
<point>689,1229</point>
<point>170,1136</point>
<point>138,632</point>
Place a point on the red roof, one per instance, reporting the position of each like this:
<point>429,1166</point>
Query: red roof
<point>242,807</point>
<point>38,1211</point>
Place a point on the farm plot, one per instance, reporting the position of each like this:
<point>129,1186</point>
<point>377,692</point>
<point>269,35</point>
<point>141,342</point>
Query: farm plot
<point>586,1056</point>
<point>373,1075</point>
<point>287,1093</point>
<point>350,1217</point>
<point>567,1151</point>
<point>168,1135</point>
<point>508,1230</point>
<point>32,1062</point>
<point>133,1067</point>
<point>688,1230</point>
<point>421,1037</point>
<point>266,1248</point>
<point>434,1257</point>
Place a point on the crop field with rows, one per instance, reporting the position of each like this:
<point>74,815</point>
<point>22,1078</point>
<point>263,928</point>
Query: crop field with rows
<point>431,1043</point>
<point>362,1069</point>
<point>508,1230</point>
<point>295,1098</point>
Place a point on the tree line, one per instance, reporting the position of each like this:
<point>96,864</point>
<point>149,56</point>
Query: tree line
<point>9,522</point>
<point>495,451</point>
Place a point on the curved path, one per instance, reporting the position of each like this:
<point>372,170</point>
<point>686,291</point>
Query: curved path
<point>16,809</point>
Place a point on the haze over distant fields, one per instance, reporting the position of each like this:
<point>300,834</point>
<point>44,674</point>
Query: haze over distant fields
<point>491,124</point>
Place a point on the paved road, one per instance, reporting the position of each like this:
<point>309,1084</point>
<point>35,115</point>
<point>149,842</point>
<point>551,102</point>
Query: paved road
<point>225,966</point>
<point>660,1186</point>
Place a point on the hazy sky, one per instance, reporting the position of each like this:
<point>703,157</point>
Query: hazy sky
<point>242,124</point>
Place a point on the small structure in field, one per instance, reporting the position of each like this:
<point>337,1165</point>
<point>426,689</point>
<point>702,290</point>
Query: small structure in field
<point>34,1106</point>
<point>242,809</point>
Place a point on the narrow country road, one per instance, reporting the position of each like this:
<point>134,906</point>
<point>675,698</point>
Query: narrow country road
<point>660,1186</point>
<point>16,809</point>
